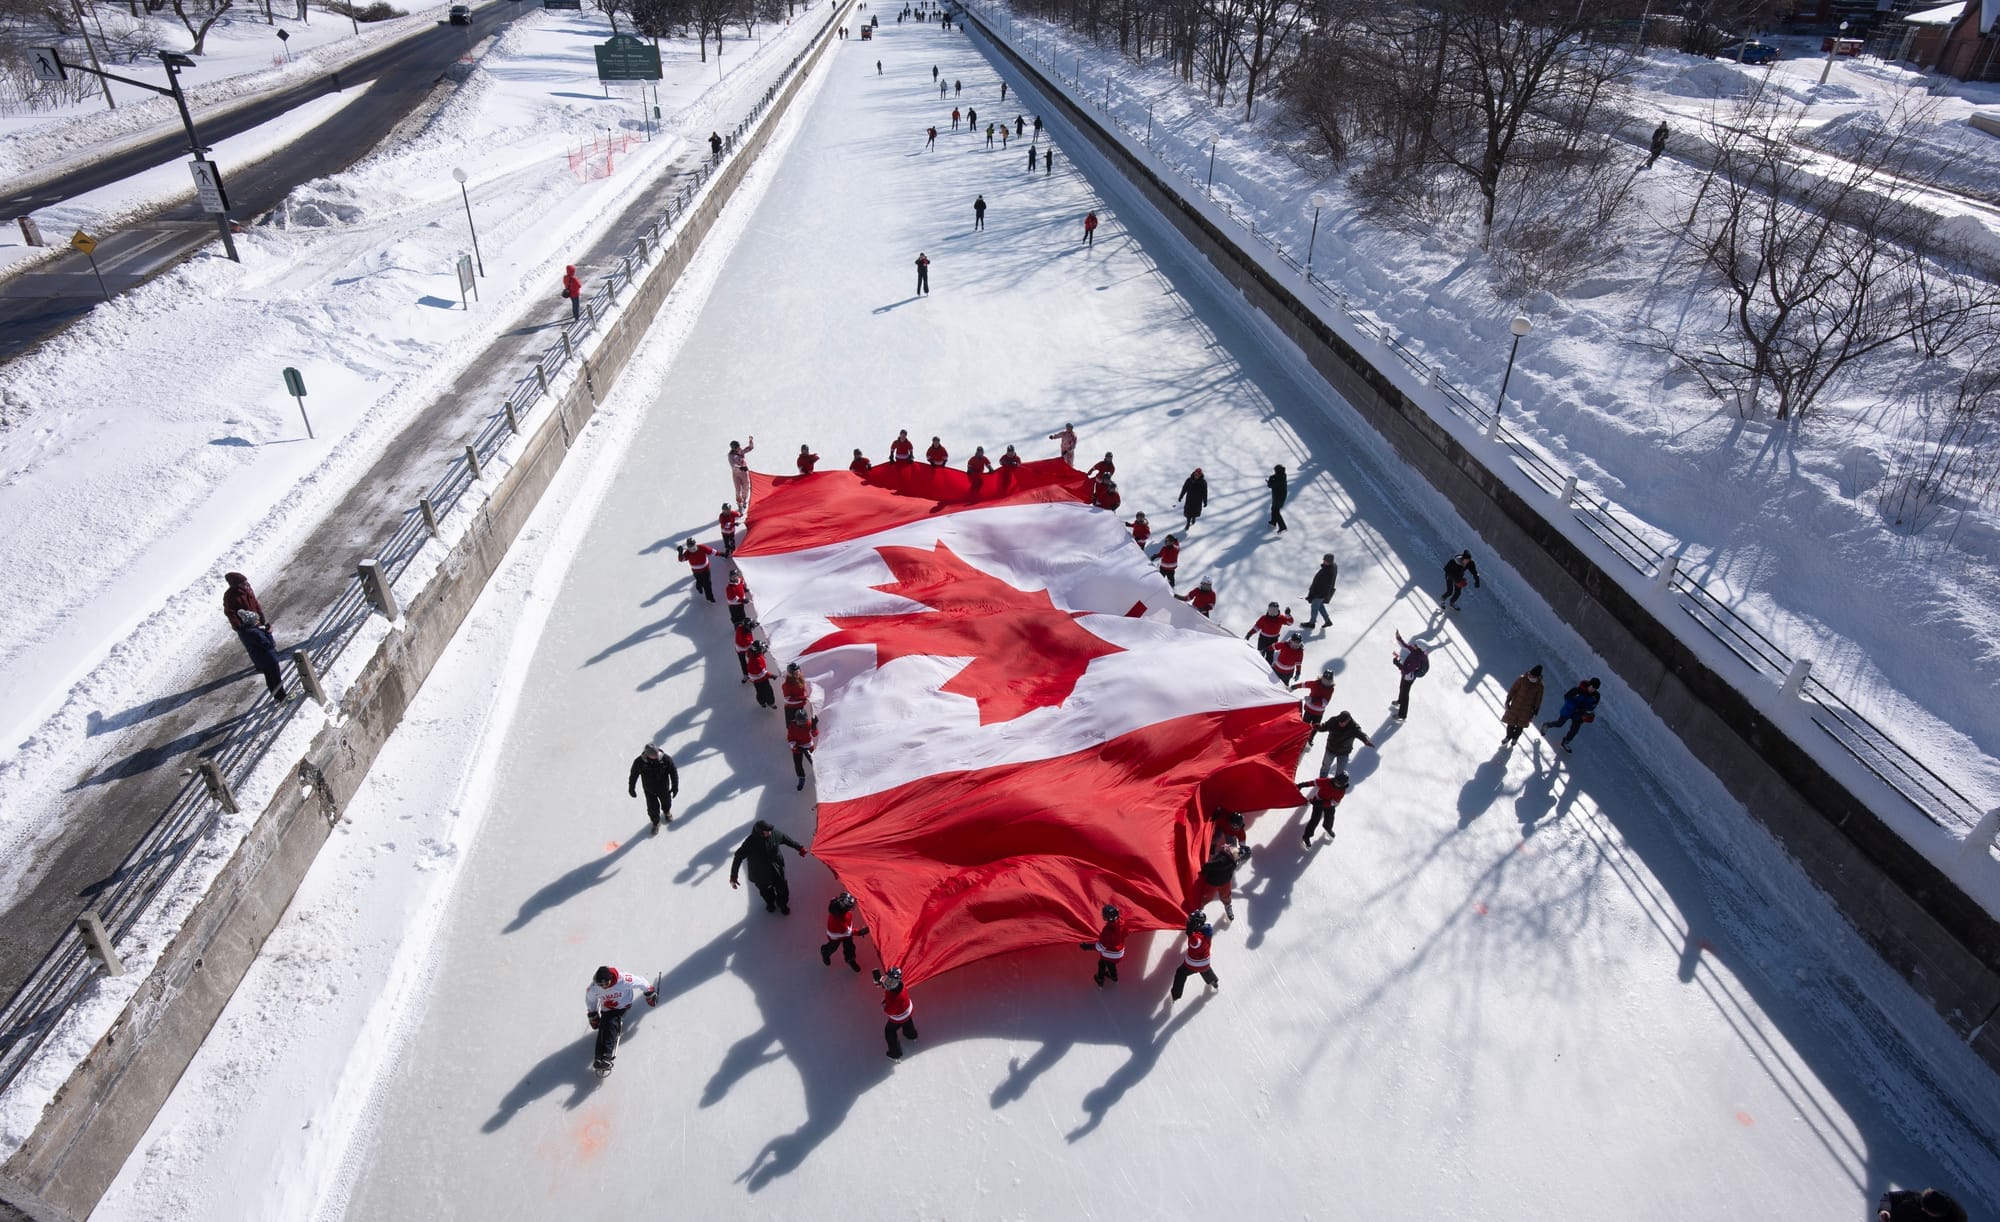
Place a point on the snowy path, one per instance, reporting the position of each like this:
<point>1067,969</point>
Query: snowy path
<point>1507,983</point>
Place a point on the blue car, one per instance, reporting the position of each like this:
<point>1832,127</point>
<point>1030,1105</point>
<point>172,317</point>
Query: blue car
<point>1750,53</point>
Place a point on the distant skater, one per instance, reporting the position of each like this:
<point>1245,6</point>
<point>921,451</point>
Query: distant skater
<point>1090,229</point>
<point>923,274</point>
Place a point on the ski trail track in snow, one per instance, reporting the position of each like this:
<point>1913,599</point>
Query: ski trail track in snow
<point>1508,980</point>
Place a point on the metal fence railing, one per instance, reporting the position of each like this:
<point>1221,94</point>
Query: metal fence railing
<point>1644,549</point>
<point>123,899</point>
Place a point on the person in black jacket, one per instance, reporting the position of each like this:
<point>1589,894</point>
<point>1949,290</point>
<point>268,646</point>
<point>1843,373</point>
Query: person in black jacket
<point>763,850</point>
<point>1218,874</point>
<point>1278,489</point>
<point>1320,592</point>
<point>1909,1205</point>
<point>1456,570</point>
<point>1342,732</point>
<point>1194,493</point>
<point>656,769</point>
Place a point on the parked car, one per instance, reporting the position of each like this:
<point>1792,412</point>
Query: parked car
<point>1840,46</point>
<point>461,14</point>
<point>1751,53</point>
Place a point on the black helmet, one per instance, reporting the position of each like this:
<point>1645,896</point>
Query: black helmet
<point>1110,912</point>
<point>1197,921</point>
<point>892,980</point>
<point>762,826</point>
<point>842,903</point>
<point>604,977</point>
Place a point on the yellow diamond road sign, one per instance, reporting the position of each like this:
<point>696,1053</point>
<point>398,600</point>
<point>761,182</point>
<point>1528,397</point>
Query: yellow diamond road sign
<point>83,242</point>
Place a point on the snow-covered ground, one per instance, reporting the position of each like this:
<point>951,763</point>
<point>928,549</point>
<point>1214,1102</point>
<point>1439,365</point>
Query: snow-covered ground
<point>1515,985</point>
<point>1783,525</point>
<point>152,445</point>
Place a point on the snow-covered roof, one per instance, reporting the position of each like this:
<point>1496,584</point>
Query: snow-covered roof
<point>1943,14</point>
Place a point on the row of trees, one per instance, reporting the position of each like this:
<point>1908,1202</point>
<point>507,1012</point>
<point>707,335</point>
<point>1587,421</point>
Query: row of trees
<point>701,20</point>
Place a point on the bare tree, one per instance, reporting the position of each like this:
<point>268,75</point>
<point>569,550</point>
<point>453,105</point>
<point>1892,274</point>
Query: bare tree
<point>199,30</point>
<point>1271,25</point>
<point>611,9</point>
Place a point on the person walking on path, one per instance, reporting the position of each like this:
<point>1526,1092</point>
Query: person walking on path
<point>901,1011</point>
<point>1218,877</point>
<point>739,471</point>
<point>655,769</point>
<point>1268,628</point>
<point>930,138</point>
<point>978,212</point>
<point>1413,662</point>
<point>1066,438</point>
<point>1659,144</point>
<point>971,119</point>
<point>1202,597</point>
<point>1320,591</point>
<point>1006,133</point>
<point>1579,706</point>
<point>1168,557</point>
<point>699,557</point>
<point>1195,956</point>
<point>1142,530</point>
<point>841,931</point>
<point>1456,570</point>
<point>1193,498</point>
<point>1319,694</point>
<point>606,1001</point>
<point>802,733</point>
<point>1342,732</point>
<point>572,288</point>
<point>954,118</point>
<point>956,88</point>
<point>746,638</point>
<point>1110,945</point>
<point>934,72</point>
<point>759,663</point>
<point>1325,793</point>
<point>1031,159</point>
<point>1003,91</point>
<point>1524,704</point>
<point>943,89</point>
<point>1049,159</point>
<point>736,593</point>
<point>1020,127</point>
<point>1288,657</point>
<point>989,135</point>
<point>715,146</point>
<point>1279,490</point>
<point>1089,228</point>
<point>763,850</point>
<point>246,616</point>
<point>923,275</point>
<point>726,521</point>
<point>878,67</point>
<point>1038,128</point>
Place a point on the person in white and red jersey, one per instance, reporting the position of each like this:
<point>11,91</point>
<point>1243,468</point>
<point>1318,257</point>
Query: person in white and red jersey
<point>1103,466</point>
<point>902,449</point>
<point>1142,530</point>
<point>1288,657</point>
<point>611,994</point>
<point>900,1009</point>
<point>1195,957</point>
<point>1009,459</point>
<point>1325,794</point>
<point>978,465</point>
<point>739,471</point>
<point>1066,437</point>
<point>860,465</point>
<point>737,595</point>
<point>746,636</point>
<point>1110,944</point>
<point>802,732</point>
<point>807,460</point>
<point>1105,494</point>
<point>841,930</point>
<point>794,688</point>
<point>698,556</point>
<point>1319,694</point>
<point>1169,557</point>
<point>1202,597</point>
<point>935,454</point>
<point>1268,628</point>
<point>760,675</point>
<point>726,521</point>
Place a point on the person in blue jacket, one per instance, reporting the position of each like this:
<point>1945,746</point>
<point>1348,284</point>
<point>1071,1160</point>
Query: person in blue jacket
<point>1579,705</point>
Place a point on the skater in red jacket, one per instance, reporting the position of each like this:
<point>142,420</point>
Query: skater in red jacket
<point>1202,597</point>
<point>1110,945</point>
<point>1194,959</point>
<point>573,289</point>
<point>1169,557</point>
<point>1103,466</point>
<point>1105,494</point>
<point>860,465</point>
<point>760,676</point>
<point>901,1011</point>
<point>1090,229</point>
<point>1009,459</point>
<point>698,556</point>
<point>726,521</point>
<point>1268,628</point>
<point>1142,530</point>
<point>794,688</point>
<point>807,460</point>
<point>1288,656</point>
<point>935,453</point>
<point>737,595</point>
<point>1319,693</point>
<point>746,636</point>
<point>978,465</point>
<point>802,732</point>
<point>1325,794</point>
<point>902,449</point>
<point>841,931</point>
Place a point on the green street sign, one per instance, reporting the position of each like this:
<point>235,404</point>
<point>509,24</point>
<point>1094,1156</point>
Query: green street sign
<point>625,58</point>
<point>294,384</point>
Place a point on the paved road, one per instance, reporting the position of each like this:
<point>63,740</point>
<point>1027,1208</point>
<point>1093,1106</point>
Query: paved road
<point>137,767</point>
<point>36,304</point>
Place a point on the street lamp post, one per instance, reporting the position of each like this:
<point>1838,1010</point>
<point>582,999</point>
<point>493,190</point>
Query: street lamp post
<point>1520,327</point>
<point>1318,202</point>
<point>1832,51</point>
<point>459,174</point>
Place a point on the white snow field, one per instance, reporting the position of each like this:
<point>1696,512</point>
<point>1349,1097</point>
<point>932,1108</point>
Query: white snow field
<point>1516,986</point>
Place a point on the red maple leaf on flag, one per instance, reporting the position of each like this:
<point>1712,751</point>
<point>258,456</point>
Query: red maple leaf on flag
<point>1026,654</point>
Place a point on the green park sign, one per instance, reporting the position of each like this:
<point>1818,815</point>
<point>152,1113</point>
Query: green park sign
<point>625,58</point>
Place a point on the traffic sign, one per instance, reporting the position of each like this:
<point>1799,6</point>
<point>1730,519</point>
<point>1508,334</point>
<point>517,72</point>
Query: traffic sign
<point>82,242</point>
<point>625,58</point>
<point>48,67</point>
<point>208,185</point>
<point>295,384</point>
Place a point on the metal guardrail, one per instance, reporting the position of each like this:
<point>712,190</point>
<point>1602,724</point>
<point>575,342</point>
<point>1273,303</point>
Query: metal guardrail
<point>124,897</point>
<point>1639,545</point>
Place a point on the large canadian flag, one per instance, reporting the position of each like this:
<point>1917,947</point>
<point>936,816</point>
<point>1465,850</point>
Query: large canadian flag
<point>1018,721</point>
